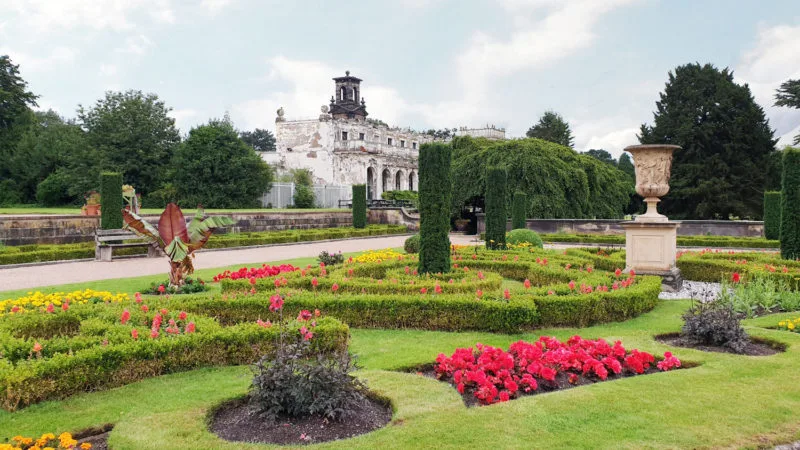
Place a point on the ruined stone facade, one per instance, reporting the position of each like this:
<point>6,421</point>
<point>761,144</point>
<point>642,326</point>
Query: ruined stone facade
<point>341,147</point>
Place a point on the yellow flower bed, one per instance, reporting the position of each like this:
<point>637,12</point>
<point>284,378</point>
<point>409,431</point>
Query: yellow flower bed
<point>790,325</point>
<point>378,256</point>
<point>37,300</point>
<point>47,441</point>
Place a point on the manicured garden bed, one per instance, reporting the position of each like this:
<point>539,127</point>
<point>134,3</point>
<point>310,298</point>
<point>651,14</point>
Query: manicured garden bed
<point>714,266</point>
<point>58,252</point>
<point>54,353</point>
<point>502,291</point>
<point>683,241</point>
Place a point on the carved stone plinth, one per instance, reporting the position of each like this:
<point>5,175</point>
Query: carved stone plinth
<point>650,249</point>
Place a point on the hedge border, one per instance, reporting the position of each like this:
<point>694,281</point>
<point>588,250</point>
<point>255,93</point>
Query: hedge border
<point>105,367</point>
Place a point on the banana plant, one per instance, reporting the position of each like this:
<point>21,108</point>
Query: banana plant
<point>174,238</point>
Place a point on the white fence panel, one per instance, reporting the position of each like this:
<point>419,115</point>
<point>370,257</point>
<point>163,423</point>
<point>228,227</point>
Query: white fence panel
<point>282,195</point>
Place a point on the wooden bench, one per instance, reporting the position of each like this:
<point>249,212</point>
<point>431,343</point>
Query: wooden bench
<point>105,241</point>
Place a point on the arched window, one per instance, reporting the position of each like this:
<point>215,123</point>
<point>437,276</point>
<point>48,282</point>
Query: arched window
<point>370,183</point>
<point>398,180</point>
<point>411,181</point>
<point>342,94</point>
<point>386,180</point>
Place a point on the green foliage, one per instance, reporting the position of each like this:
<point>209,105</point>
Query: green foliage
<point>132,133</point>
<point>302,177</point>
<point>725,144</point>
<point>111,198</point>
<point>553,128</point>
<point>213,167</point>
<point>772,215</point>
<point>303,196</point>
<point>788,94</point>
<point>411,196</point>
<point>411,245</point>
<point>54,190</point>
<point>790,204</point>
<point>49,145</point>
<point>683,241</point>
<point>519,211</point>
<point>625,164</point>
<point>330,259</point>
<point>103,355</point>
<point>15,113</point>
<point>601,155</point>
<point>496,212</point>
<point>761,294</point>
<point>9,193</point>
<point>435,193</point>
<point>559,182</point>
<point>359,205</point>
<point>521,236</point>
<point>261,140</point>
<point>713,267</point>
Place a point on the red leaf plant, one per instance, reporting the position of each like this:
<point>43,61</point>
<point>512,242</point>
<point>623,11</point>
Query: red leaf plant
<point>494,375</point>
<point>177,240</point>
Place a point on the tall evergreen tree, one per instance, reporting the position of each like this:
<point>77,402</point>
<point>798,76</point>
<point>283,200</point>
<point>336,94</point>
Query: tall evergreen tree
<point>435,192</point>
<point>15,117</point>
<point>626,165</point>
<point>552,127</point>
<point>789,95</point>
<point>726,142</point>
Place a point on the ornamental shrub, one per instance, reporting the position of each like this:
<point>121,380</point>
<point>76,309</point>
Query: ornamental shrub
<point>772,215</point>
<point>111,200</point>
<point>435,191</point>
<point>790,205</point>
<point>412,244</point>
<point>359,205</point>
<point>518,214</point>
<point>496,216</point>
<point>714,322</point>
<point>523,236</point>
<point>303,196</point>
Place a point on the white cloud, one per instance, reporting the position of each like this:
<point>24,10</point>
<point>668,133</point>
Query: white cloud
<point>772,60</point>
<point>213,7</point>
<point>137,45</point>
<point>185,118</point>
<point>58,56</point>
<point>55,15</point>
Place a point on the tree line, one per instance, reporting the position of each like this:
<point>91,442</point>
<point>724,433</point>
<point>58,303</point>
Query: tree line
<point>52,160</point>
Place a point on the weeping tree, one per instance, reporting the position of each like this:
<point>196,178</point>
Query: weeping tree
<point>496,215</point>
<point>435,191</point>
<point>175,239</point>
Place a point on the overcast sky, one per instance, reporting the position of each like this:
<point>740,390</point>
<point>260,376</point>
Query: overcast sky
<point>425,63</point>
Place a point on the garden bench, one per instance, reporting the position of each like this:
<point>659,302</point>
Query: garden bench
<point>107,240</point>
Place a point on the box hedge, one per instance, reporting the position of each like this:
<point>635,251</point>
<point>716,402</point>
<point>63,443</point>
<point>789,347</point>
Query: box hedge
<point>790,204</point>
<point>519,210</point>
<point>111,200</point>
<point>772,215</point>
<point>359,205</point>
<point>496,214</point>
<point>435,191</point>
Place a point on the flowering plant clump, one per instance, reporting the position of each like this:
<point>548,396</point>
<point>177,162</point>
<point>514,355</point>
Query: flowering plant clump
<point>792,325</point>
<point>46,441</point>
<point>255,272</point>
<point>34,301</point>
<point>189,286</point>
<point>494,375</point>
<point>378,256</point>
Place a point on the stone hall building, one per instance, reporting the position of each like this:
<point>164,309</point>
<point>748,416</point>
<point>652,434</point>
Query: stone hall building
<point>342,148</point>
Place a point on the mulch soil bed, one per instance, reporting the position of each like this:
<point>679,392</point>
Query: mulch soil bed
<point>97,436</point>
<point>756,346</point>
<point>559,384</point>
<point>235,421</point>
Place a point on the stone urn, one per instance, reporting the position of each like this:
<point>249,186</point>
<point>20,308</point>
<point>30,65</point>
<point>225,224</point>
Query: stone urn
<point>653,164</point>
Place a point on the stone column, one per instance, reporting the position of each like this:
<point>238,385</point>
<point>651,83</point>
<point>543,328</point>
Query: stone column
<point>651,239</point>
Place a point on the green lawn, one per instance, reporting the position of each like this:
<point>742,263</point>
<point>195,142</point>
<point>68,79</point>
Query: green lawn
<point>728,401</point>
<point>32,209</point>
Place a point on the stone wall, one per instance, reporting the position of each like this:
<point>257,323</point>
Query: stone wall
<point>394,216</point>
<point>43,229</point>
<point>741,228</point>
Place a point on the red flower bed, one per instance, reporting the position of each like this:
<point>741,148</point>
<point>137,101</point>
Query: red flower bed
<point>494,375</point>
<point>256,272</point>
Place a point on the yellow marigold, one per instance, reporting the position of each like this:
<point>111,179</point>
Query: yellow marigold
<point>38,300</point>
<point>378,256</point>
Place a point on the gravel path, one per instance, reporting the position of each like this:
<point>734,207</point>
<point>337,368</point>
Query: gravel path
<point>693,289</point>
<point>83,271</point>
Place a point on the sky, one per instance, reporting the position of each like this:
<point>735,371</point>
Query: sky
<point>425,63</point>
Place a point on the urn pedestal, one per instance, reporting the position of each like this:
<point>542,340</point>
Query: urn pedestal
<point>651,239</point>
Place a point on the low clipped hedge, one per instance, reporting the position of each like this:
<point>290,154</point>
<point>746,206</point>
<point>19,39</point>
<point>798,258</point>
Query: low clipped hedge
<point>381,295</point>
<point>684,241</point>
<point>58,252</point>
<point>718,266</point>
<point>88,349</point>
